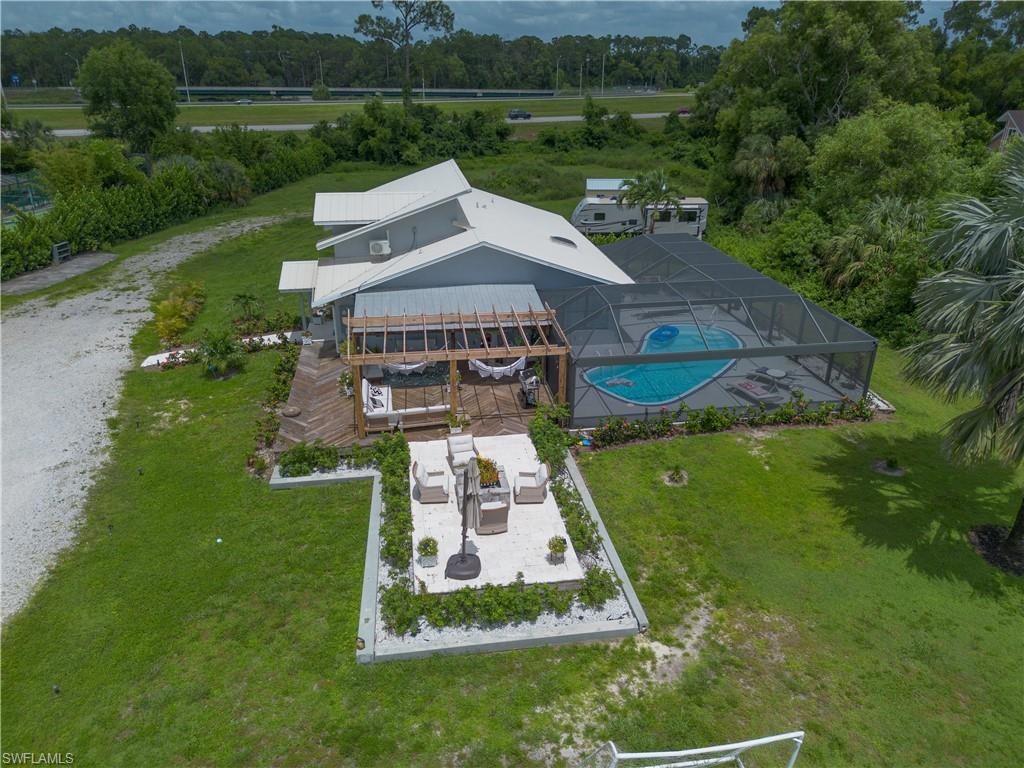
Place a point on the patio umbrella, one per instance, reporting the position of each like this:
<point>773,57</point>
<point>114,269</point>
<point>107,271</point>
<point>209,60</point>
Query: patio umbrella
<point>461,565</point>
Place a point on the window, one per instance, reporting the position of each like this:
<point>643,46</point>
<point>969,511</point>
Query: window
<point>664,216</point>
<point>631,222</point>
<point>690,216</point>
<point>599,216</point>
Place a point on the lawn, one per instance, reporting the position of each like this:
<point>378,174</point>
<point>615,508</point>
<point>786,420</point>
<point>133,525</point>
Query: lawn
<point>846,602</point>
<point>287,113</point>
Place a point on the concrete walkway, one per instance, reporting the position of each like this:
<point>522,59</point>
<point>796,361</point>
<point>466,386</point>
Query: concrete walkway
<point>47,276</point>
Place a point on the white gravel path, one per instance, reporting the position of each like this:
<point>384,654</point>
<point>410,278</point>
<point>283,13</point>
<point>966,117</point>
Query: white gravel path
<point>61,370</point>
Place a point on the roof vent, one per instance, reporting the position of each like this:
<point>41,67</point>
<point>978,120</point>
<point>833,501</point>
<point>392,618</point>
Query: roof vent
<point>563,241</point>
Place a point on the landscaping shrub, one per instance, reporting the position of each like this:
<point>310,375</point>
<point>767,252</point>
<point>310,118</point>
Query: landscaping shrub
<point>175,313</point>
<point>599,586</point>
<point>391,452</point>
<point>549,439</point>
<point>579,524</point>
<point>221,354</point>
<point>306,458</point>
<point>615,430</point>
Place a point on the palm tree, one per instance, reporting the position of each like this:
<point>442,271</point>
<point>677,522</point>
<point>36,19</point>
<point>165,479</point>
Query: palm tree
<point>758,162</point>
<point>974,313</point>
<point>649,189</point>
<point>889,223</point>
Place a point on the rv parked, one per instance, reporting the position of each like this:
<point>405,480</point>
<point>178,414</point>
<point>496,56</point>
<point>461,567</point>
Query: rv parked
<point>600,212</point>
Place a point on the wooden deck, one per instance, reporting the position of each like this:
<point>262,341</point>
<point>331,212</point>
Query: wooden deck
<point>493,406</point>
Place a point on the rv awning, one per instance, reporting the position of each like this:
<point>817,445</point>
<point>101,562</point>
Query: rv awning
<point>297,276</point>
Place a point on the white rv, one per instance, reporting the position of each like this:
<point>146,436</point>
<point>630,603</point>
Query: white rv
<point>599,212</point>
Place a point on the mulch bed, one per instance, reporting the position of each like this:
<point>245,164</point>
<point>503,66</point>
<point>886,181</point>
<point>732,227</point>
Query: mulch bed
<point>987,541</point>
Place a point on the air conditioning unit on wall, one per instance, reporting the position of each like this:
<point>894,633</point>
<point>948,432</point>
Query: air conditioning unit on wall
<point>380,247</point>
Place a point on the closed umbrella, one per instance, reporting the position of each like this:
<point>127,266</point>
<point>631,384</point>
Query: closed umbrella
<point>461,565</point>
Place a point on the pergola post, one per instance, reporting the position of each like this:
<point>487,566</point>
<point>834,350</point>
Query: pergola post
<point>302,311</point>
<point>357,396</point>
<point>563,376</point>
<point>453,385</point>
<point>336,322</point>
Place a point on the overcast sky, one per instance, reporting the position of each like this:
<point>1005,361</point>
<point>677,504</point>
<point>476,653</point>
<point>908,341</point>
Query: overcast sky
<point>710,22</point>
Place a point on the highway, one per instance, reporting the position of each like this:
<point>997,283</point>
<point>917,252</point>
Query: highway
<point>75,133</point>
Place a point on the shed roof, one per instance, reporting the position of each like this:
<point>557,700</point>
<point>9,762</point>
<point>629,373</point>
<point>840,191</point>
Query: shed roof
<point>333,208</point>
<point>446,300</point>
<point>297,276</point>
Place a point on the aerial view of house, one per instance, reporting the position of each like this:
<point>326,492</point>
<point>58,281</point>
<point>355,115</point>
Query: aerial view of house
<point>563,385</point>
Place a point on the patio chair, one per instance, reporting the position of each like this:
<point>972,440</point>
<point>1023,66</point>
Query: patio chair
<point>461,449</point>
<point>430,487</point>
<point>493,518</point>
<point>532,487</point>
<point>754,392</point>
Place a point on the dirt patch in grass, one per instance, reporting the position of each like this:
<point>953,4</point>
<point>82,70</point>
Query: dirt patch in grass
<point>987,541</point>
<point>658,663</point>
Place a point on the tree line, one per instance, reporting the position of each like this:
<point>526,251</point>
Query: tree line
<point>289,57</point>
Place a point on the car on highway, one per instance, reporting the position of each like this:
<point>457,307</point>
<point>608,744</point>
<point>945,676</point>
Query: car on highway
<point>682,110</point>
<point>244,101</point>
<point>519,114</point>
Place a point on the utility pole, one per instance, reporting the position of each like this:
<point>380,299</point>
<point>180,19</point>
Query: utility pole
<point>321,61</point>
<point>602,74</point>
<point>184,71</point>
<point>581,78</point>
<point>557,62</point>
<point>423,84</point>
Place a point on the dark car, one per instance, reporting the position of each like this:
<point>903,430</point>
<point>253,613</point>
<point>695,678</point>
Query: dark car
<point>519,114</point>
<point>682,110</point>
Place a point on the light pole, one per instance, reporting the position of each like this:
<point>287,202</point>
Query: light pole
<point>602,74</point>
<point>321,62</point>
<point>77,65</point>
<point>184,72</point>
<point>558,61</point>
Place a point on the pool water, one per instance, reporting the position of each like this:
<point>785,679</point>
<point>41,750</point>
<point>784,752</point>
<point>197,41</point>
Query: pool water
<point>661,383</point>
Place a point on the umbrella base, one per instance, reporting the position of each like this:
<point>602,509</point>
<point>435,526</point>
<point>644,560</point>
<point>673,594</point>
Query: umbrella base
<point>462,567</point>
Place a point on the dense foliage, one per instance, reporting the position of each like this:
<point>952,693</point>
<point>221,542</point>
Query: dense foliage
<point>833,136</point>
<point>460,60</point>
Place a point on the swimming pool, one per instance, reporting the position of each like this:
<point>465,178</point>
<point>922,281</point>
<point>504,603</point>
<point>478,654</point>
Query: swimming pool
<point>661,383</point>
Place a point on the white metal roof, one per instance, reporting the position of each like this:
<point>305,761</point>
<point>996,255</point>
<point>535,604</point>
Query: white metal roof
<point>456,298</point>
<point>435,185</point>
<point>519,230</point>
<point>332,280</point>
<point>297,276</point>
<point>359,207</point>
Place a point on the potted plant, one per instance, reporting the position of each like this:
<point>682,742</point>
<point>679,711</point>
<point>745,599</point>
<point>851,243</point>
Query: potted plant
<point>488,472</point>
<point>455,422</point>
<point>345,383</point>
<point>427,549</point>
<point>557,545</point>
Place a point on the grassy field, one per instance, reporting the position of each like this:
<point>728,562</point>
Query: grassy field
<point>283,114</point>
<point>843,601</point>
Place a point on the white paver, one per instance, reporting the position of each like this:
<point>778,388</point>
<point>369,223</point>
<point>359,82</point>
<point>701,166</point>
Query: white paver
<point>524,548</point>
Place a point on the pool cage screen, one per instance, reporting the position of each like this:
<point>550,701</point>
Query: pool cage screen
<point>698,327</point>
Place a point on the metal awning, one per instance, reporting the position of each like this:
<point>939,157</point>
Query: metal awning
<point>297,276</point>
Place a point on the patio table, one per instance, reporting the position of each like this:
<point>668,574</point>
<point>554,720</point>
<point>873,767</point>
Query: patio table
<point>500,492</point>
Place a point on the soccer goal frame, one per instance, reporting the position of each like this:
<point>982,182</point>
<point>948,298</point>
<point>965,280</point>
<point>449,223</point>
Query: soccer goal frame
<point>608,756</point>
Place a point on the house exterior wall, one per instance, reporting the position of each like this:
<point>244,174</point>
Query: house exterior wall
<point>414,232</point>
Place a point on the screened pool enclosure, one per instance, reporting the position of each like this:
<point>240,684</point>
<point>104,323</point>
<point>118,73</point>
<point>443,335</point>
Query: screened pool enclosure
<point>698,327</point>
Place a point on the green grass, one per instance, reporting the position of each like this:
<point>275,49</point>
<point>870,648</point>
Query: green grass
<point>846,602</point>
<point>282,114</point>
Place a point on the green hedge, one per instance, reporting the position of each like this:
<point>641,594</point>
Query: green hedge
<point>180,189</point>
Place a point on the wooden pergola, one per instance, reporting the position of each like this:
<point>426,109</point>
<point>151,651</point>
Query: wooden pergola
<point>451,337</point>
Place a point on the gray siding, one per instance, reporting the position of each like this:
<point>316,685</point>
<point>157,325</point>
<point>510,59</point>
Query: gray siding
<point>416,231</point>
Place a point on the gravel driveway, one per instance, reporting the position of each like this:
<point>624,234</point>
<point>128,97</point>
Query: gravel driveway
<point>61,376</point>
